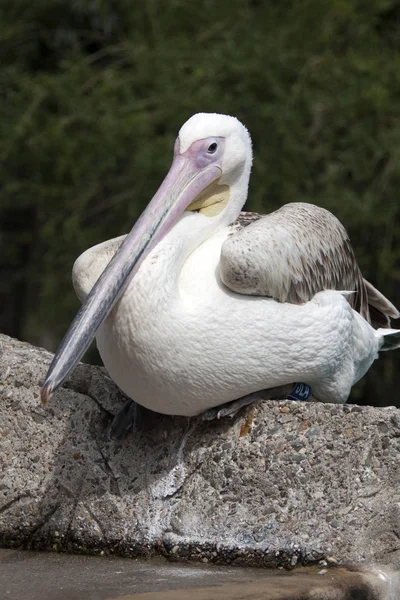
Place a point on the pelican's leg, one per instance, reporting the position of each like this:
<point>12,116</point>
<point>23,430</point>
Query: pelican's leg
<point>129,417</point>
<point>231,408</point>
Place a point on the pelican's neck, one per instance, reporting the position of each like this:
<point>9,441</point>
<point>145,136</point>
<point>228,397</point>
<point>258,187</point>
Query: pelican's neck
<point>194,228</point>
<point>165,262</point>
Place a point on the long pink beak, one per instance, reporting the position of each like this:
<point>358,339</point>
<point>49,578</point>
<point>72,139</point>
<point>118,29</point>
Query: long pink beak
<point>184,182</point>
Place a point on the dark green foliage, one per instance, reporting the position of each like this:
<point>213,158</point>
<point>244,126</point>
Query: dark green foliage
<point>94,92</point>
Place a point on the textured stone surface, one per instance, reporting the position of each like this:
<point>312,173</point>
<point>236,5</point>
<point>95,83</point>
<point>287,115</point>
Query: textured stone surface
<point>296,483</point>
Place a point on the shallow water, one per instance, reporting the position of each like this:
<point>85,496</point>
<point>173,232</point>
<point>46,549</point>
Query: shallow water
<point>51,576</point>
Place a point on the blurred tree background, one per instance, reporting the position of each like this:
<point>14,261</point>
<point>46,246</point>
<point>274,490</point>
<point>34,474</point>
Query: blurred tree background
<point>93,93</point>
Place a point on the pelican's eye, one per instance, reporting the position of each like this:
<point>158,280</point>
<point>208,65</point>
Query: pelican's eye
<point>212,148</point>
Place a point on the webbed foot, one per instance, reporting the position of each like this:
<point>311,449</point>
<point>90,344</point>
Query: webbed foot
<point>128,418</point>
<point>230,409</point>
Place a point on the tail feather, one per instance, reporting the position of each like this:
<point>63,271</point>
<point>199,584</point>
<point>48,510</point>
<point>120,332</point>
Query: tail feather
<point>380,308</point>
<point>391,338</point>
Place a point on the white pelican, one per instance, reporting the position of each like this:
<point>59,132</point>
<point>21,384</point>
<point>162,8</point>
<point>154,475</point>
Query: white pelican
<point>193,309</point>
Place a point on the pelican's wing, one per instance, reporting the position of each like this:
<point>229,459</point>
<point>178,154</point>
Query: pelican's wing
<point>293,253</point>
<point>89,266</point>
<point>380,308</point>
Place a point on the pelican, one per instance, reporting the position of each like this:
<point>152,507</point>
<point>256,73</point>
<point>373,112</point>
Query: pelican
<point>201,305</point>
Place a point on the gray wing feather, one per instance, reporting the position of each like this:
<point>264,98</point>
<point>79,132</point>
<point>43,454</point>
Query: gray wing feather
<point>380,308</point>
<point>290,255</point>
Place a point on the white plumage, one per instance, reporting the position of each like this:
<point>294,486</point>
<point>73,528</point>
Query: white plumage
<point>211,310</point>
<point>179,341</point>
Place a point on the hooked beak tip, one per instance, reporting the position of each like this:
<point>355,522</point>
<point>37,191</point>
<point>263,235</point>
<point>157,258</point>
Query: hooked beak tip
<point>45,393</point>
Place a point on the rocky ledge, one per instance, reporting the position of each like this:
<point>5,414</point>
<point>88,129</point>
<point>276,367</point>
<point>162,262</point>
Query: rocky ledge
<point>283,484</point>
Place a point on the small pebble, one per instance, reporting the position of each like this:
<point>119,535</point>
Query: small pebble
<point>335,523</point>
<point>298,457</point>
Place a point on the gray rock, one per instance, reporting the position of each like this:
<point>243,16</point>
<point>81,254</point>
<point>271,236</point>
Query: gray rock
<point>291,483</point>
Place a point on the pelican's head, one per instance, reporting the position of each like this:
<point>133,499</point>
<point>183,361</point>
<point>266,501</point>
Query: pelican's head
<point>223,142</point>
<point>209,174</point>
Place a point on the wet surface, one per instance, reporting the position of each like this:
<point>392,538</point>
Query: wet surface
<point>36,575</point>
<point>51,576</point>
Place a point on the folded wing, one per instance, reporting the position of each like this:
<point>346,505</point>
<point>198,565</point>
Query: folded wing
<point>295,252</point>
